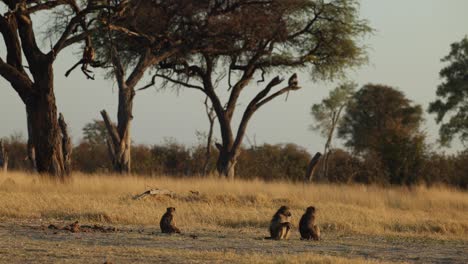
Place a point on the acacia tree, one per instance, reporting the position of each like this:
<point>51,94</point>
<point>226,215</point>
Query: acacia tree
<point>34,83</point>
<point>248,39</point>
<point>327,115</point>
<point>136,35</point>
<point>452,102</point>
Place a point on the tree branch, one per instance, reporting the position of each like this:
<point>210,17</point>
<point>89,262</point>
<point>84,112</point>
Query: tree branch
<point>8,28</point>
<point>187,85</point>
<point>111,129</point>
<point>278,93</point>
<point>20,81</point>
<point>119,70</point>
<point>65,39</point>
<point>250,110</point>
<point>45,6</point>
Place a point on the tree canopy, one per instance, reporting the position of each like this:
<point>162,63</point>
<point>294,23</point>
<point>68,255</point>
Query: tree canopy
<point>374,111</point>
<point>241,40</point>
<point>451,106</point>
<point>383,125</point>
<point>327,113</point>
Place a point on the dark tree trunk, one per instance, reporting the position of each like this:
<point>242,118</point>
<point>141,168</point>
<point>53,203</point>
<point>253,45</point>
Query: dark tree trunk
<point>226,164</point>
<point>31,150</point>
<point>120,144</point>
<point>66,145</point>
<point>46,135</point>
<point>211,118</point>
<point>36,88</point>
<point>230,149</point>
<point>125,117</point>
<point>3,158</point>
<point>312,166</point>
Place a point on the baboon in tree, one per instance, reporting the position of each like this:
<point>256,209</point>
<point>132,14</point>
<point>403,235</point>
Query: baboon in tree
<point>307,227</point>
<point>280,225</point>
<point>88,59</point>
<point>167,222</point>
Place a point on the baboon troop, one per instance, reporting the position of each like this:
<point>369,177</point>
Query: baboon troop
<point>167,222</point>
<point>280,225</point>
<point>307,227</point>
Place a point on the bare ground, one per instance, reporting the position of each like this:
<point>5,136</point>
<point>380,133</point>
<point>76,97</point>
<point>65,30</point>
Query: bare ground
<point>33,242</point>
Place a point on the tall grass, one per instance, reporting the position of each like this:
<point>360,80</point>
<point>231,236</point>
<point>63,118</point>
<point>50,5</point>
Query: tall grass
<point>441,212</point>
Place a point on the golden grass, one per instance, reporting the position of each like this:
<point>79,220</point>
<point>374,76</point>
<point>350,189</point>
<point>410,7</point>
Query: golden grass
<point>369,210</point>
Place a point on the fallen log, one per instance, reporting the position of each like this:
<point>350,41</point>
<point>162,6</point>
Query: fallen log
<point>153,192</point>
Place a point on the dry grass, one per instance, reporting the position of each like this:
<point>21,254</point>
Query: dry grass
<point>366,210</point>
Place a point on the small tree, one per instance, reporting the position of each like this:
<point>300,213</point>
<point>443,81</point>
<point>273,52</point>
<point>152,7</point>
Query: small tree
<point>95,133</point>
<point>380,122</point>
<point>327,115</point>
<point>453,95</point>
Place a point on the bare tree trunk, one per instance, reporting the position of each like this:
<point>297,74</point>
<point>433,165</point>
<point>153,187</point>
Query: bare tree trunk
<point>3,157</point>
<point>119,144</point>
<point>125,117</point>
<point>334,122</point>
<point>211,118</point>
<point>31,150</point>
<point>226,164</point>
<point>230,149</point>
<point>46,134</point>
<point>312,166</point>
<point>66,145</point>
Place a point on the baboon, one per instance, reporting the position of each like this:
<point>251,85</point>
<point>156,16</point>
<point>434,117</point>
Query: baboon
<point>280,226</point>
<point>293,80</point>
<point>88,59</point>
<point>307,227</point>
<point>167,222</point>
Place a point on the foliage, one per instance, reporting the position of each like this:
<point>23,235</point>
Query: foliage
<point>268,162</point>
<point>452,102</point>
<point>274,162</point>
<point>16,147</point>
<point>95,133</point>
<point>327,113</point>
<point>375,112</point>
<point>381,122</point>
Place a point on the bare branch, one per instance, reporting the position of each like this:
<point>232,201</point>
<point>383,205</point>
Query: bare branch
<point>153,82</point>
<point>111,128</point>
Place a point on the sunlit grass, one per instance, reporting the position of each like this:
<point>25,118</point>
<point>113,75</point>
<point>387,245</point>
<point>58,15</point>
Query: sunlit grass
<point>436,212</point>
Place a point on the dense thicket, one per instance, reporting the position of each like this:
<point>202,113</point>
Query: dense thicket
<point>269,162</point>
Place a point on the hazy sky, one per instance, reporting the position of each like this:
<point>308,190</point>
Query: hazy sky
<point>410,39</point>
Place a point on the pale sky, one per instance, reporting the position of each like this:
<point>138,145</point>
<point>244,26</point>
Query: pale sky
<point>410,39</point>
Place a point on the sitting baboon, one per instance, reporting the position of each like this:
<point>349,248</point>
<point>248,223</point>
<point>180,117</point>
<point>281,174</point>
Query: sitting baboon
<point>280,226</point>
<point>167,223</point>
<point>307,227</point>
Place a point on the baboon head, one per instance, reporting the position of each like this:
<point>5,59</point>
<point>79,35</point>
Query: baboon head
<point>170,209</point>
<point>284,210</point>
<point>310,210</point>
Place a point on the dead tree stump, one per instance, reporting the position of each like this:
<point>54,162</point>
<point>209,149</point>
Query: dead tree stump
<point>312,166</point>
<point>3,157</point>
<point>66,145</point>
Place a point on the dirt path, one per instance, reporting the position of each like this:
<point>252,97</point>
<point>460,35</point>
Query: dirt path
<point>29,242</point>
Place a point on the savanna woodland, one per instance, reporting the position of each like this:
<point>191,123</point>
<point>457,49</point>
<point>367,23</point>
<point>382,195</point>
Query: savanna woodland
<point>233,45</point>
<point>378,190</point>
